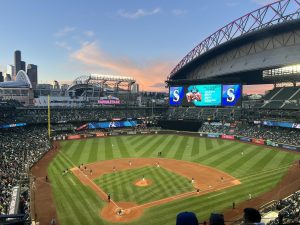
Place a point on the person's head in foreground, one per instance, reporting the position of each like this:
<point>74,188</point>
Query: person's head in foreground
<point>216,219</point>
<point>186,218</point>
<point>251,216</point>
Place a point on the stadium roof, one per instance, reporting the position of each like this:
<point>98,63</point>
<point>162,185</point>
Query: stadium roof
<point>264,17</point>
<point>22,81</point>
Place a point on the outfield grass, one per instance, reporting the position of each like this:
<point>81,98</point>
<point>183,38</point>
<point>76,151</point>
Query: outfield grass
<point>164,184</point>
<point>259,169</point>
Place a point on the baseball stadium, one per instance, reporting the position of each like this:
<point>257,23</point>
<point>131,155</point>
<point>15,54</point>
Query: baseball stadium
<point>205,149</point>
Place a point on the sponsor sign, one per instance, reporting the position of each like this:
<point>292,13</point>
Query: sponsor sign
<point>109,100</point>
<point>258,141</point>
<point>112,124</point>
<point>100,134</point>
<point>231,94</point>
<point>290,147</point>
<point>73,137</point>
<point>213,135</point>
<point>225,136</point>
<point>296,125</point>
<point>176,95</point>
<point>13,125</point>
<point>271,143</point>
<point>246,139</point>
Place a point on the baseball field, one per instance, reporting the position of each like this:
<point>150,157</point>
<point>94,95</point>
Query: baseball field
<point>192,174</point>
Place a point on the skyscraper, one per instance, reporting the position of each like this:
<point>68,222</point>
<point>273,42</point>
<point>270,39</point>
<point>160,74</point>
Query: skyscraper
<point>17,61</point>
<point>10,69</point>
<point>1,77</point>
<point>32,74</point>
<point>7,77</point>
<point>23,66</point>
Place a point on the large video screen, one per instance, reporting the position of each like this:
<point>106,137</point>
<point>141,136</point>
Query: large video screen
<point>176,95</point>
<point>231,94</point>
<point>111,124</point>
<point>206,95</point>
<point>203,95</point>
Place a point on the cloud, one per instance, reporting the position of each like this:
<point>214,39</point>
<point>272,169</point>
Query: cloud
<point>150,75</point>
<point>63,45</point>
<point>159,85</point>
<point>138,13</point>
<point>89,33</point>
<point>178,12</point>
<point>257,89</point>
<point>263,2</point>
<point>64,31</point>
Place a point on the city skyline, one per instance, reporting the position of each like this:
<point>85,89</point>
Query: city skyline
<point>144,40</point>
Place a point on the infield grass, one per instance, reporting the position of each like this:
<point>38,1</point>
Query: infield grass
<point>164,184</point>
<point>259,169</point>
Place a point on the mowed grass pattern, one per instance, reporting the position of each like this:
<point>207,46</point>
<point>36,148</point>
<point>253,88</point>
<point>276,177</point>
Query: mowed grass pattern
<point>164,184</point>
<point>259,169</point>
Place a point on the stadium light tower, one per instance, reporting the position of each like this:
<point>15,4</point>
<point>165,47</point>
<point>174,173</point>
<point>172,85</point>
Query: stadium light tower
<point>152,103</point>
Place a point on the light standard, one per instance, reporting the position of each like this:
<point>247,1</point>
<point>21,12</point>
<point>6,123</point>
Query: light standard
<point>152,103</point>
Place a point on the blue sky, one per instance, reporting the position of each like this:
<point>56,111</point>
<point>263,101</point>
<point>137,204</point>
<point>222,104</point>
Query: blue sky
<point>142,39</point>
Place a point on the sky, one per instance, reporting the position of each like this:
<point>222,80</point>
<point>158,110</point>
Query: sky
<point>137,38</point>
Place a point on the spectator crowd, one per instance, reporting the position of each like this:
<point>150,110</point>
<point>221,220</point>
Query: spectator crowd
<point>20,148</point>
<point>276,134</point>
<point>289,210</point>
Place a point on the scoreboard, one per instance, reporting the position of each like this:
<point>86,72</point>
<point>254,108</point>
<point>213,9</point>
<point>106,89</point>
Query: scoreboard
<point>206,95</point>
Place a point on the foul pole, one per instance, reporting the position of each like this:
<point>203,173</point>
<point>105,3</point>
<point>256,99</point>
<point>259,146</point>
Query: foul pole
<point>49,118</point>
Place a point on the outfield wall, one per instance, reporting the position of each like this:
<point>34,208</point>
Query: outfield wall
<point>194,134</point>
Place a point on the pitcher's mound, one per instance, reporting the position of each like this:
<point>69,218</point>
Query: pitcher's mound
<point>143,182</point>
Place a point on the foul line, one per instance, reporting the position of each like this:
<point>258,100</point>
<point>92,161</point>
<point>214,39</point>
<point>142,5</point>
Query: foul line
<point>86,177</point>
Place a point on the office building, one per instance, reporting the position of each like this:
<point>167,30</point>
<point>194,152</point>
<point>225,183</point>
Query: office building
<point>1,77</point>
<point>7,77</point>
<point>23,66</point>
<point>17,61</point>
<point>32,74</point>
<point>10,69</point>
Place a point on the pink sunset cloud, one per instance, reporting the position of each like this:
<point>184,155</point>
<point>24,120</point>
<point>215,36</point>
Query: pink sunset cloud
<point>151,76</point>
<point>257,89</point>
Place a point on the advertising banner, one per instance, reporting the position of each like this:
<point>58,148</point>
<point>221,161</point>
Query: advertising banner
<point>225,136</point>
<point>296,125</point>
<point>13,125</point>
<point>112,124</point>
<point>290,147</point>
<point>271,143</point>
<point>74,137</point>
<point>258,141</point>
<point>100,134</point>
<point>109,100</point>
<point>213,135</point>
<point>246,139</point>
<point>281,124</point>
